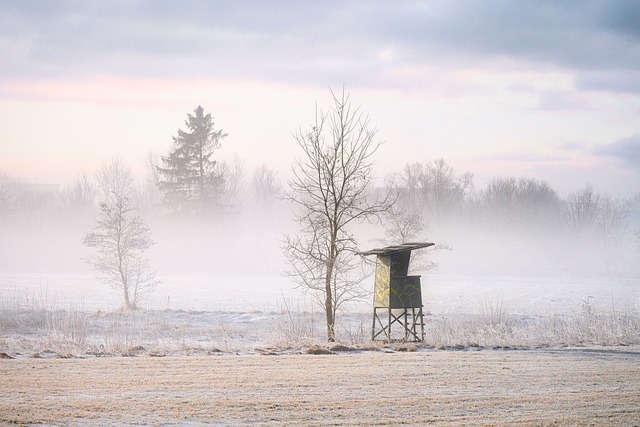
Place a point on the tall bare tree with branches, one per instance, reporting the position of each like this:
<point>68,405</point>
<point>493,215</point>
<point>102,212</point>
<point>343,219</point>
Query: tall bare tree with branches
<point>331,190</point>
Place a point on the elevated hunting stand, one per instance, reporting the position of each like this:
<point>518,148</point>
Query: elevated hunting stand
<point>397,297</point>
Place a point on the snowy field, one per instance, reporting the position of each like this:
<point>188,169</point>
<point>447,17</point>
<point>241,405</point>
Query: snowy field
<point>59,315</point>
<point>442,294</point>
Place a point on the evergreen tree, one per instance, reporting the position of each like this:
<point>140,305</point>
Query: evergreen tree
<point>189,176</point>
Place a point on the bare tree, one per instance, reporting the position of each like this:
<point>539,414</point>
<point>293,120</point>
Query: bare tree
<point>612,223</point>
<point>150,195</point>
<point>232,186</point>
<point>498,199</point>
<point>13,193</point>
<point>404,226</point>
<point>79,197</point>
<point>612,215</point>
<point>524,202</point>
<point>432,188</point>
<point>265,188</point>
<point>115,181</point>
<point>24,201</point>
<point>444,190</point>
<point>408,185</point>
<point>330,190</point>
<point>120,236</point>
<point>538,206</point>
<point>582,208</point>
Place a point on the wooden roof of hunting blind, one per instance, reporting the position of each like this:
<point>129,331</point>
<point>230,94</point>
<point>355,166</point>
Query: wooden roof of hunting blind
<point>395,249</point>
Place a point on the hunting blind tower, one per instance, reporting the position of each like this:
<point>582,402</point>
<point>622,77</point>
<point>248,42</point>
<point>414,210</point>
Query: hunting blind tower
<point>397,297</point>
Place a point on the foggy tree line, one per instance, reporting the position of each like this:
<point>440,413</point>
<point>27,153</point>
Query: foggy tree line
<point>189,180</point>
<point>22,201</point>
<point>597,227</point>
<point>435,195</point>
<point>430,195</point>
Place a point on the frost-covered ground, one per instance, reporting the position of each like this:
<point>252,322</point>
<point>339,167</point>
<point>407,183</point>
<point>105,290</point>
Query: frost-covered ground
<point>59,315</point>
<point>570,387</point>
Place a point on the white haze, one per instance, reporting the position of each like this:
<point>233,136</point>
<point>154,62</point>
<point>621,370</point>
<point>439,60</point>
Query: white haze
<point>234,262</point>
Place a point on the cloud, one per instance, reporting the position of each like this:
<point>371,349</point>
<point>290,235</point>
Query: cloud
<point>561,100</point>
<point>626,149</point>
<point>527,158</point>
<point>319,43</point>
<point>624,81</point>
<point>588,35</point>
<point>161,38</point>
<point>574,146</point>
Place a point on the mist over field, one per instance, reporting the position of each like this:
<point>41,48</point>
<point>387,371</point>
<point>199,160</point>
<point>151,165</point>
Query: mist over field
<point>483,232</point>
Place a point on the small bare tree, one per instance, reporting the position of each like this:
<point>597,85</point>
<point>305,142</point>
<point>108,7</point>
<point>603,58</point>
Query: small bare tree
<point>121,238</point>
<point>404,226</point>
<point>330,190</point>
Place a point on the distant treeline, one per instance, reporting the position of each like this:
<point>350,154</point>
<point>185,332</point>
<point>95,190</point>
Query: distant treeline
<point>512,221</point>
<point>433,201</point>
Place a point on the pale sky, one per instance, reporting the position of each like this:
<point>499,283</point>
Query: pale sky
<point>543,89</point>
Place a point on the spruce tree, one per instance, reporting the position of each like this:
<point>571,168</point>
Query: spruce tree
<point>189,176</point>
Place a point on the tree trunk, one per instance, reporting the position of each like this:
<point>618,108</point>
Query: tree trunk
<point>127,301</point>
<point>202,189</point>
<point>328,303</point>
